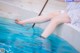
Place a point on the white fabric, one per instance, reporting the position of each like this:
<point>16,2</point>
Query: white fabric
<point>74,13</point>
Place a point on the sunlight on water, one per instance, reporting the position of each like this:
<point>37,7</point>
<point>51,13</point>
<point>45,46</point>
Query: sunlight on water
<point>15,38</point>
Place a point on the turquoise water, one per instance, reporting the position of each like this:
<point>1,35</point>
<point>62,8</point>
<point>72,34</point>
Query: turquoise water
<point>15,38</point>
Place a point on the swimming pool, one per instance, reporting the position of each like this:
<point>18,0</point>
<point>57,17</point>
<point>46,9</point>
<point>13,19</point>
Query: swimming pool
<point>15,38</point>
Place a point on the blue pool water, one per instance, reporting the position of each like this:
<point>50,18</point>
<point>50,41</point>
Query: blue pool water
<point>15,38</point>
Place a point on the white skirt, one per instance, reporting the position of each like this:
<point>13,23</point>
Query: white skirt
<point>74,16</point>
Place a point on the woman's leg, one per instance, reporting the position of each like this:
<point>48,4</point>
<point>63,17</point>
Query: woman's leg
<point>63,18</point>
<point>38,19</point>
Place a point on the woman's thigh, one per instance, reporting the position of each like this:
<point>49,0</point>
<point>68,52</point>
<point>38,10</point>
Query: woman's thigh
<point>54,14</point>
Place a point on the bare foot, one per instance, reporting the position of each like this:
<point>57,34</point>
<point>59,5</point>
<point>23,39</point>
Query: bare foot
<point>19,22</point>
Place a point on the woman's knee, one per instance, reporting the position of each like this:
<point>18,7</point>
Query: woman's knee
<point>54,14</point>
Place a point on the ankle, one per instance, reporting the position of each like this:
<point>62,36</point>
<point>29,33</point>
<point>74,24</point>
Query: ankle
<point>43,37</point>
